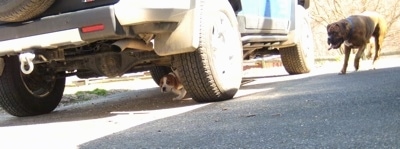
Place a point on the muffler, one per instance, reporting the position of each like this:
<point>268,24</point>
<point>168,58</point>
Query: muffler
<point>136,44</point>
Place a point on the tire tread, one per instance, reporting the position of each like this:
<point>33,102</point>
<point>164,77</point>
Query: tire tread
<point>17,101</point>
<point>293,60</point>
<point>27,10</point>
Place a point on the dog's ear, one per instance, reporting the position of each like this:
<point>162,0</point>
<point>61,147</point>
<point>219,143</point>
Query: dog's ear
<point>161,82</point>
<point>175,82</point>
<point>328,26</point>
<point>345,27</point>
<point>333,27</point>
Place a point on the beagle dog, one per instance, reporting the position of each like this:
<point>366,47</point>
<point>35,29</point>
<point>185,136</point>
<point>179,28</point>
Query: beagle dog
<point>171,83</point>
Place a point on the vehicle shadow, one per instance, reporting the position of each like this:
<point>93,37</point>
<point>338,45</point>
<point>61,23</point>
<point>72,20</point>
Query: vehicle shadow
<point>314,106</point>
<point>247,80</point>
<point>152,99</point>
<point>132,100</point>
<point>127,100</point>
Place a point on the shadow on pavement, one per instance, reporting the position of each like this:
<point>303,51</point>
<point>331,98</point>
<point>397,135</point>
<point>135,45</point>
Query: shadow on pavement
<point>304,111</point>
<point>133,100</point>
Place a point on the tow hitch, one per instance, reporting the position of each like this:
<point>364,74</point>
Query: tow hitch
<point>26,60</point>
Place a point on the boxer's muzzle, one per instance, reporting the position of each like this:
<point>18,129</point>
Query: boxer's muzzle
<point>334,43</point>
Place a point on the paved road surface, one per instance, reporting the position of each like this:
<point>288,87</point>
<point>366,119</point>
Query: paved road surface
<point>317,110</point>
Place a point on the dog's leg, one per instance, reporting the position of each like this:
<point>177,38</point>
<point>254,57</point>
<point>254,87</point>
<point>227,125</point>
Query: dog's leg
<point>378,43</point>
<point>346,59</point>
<point>181,93</point>
<point>369,49</point>
<point>359,54</point>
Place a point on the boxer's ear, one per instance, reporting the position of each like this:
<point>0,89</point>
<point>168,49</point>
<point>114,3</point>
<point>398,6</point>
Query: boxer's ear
<point>333,26</point>
<point>330,26</point>
<point>343,25</point>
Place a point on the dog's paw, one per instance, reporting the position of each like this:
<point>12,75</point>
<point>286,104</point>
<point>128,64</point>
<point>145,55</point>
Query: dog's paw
<point>372,67</point>
<point>177,98</point>
<point>342,72</point>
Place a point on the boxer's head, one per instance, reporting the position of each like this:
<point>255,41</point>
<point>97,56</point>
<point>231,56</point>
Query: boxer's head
<point>337,33</point>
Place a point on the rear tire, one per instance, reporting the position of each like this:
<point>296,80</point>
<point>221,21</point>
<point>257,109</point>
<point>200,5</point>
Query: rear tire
<point>22,10</point>
<point>158,72</point>
<point>214,71</point>
<point>294,60</point>
<point>28,95</point>
<point>299,59</point>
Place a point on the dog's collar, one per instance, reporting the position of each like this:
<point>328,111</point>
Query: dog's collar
<point>351,27</point>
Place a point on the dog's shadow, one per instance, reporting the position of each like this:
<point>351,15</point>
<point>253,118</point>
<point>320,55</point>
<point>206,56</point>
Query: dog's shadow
<point>132,100</point>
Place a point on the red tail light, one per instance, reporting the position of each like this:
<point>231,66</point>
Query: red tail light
<point>92,28</point>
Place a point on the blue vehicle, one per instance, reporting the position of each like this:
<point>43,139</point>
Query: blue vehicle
<point>205,41</point>
<point>268,26</point>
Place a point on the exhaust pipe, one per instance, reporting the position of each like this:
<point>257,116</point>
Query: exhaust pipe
<point>136,44</point>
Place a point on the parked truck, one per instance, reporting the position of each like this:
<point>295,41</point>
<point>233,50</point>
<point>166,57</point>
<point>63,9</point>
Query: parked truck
<point>206,41</point>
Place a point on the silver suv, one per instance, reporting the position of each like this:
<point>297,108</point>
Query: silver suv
<point>44,41</point>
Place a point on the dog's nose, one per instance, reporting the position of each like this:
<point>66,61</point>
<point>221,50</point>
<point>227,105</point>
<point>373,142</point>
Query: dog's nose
<point>163,89</point>
<point>329,40</point>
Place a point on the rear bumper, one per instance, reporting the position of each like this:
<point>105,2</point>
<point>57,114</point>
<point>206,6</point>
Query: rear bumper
<point>66,29</point>
<point>129,12</point>
<point>56,31</point>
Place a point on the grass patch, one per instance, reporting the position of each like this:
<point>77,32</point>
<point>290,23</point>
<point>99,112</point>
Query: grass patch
<point>88,95</point>
<point>97,91</point>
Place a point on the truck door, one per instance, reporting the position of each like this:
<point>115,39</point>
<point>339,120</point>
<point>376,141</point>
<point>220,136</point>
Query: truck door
<point>265,16</point>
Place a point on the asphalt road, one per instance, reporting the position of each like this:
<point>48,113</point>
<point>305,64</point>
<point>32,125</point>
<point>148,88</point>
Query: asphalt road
<point>275,110</point>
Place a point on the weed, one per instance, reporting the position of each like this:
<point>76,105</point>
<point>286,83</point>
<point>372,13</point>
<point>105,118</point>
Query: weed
<point>97,91</point>
<point>100,92</point>
<point>87,95</point>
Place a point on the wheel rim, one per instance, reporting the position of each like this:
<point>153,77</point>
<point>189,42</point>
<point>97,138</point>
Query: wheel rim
<point>37,85</point>
<point>306,39</point>
<point>306,43</point>
<point>223,46</point>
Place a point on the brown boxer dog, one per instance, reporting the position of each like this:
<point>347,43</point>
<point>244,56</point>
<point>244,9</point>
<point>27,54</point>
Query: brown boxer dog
<point>355,32</point>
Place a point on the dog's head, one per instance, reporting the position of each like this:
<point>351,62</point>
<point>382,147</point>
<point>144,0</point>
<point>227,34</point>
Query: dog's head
<point>337,33</point>
<point>168,82</point>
